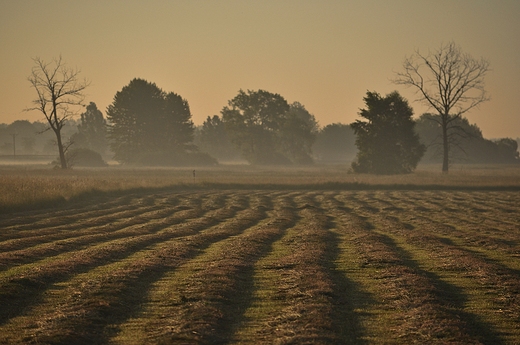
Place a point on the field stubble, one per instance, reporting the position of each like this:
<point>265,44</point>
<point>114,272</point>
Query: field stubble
<point>265,266</point>
<point>33,187</point>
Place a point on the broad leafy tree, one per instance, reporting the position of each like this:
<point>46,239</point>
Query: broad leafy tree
<point>298,134</point>
<point>213,138</point>
<point>145,122</point>
<point>335,143</point>
<point>386,139</point>
<point>19,137</point>
<point>461,137</point>
<point>507,149</point>
<point>449,81</point>
<point>60,92</point>
<point>467,145</point>
<point>267,130</point>
<point>254,120</point>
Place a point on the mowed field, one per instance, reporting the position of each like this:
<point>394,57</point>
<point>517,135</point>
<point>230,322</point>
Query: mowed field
<point>210,264</point>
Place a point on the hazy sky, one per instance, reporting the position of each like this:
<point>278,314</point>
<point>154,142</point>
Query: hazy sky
<point>324,54</point>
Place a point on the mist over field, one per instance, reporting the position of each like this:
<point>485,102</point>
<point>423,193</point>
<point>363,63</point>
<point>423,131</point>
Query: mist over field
<point>260,172</point>
<point>334,145</point>
<point>256,255</point>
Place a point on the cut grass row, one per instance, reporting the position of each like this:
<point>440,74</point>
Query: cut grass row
<point>487,281</point>
<point>408,305</point>
<point>197,295</point>
<point>20,282</point>
<point>115,272</point>
<point>323,267</point>
<point>293,301</point>
<point>120,225</point>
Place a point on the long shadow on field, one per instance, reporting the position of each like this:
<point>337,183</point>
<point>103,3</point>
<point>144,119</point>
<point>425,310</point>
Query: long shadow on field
<point>347,296</point>
<point>238,299</point>
<point>242,298</point>
<point>129,295</point>
<point>503,269</point>
<point>19,295</point>
<point>244,295</point>
<point>450,296</point>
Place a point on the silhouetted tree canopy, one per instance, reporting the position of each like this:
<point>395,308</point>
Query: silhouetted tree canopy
<point>507,150</point>
<point>335,143</point>
<point>32,138</point>
<point>18,138</point>
<point>298,134</point>
<point>386,141</point>
<point>450,82</point>
<point>92,130</point>
<point>267,130</point>
<point>212,137</point>
<point>59,91</point>
<point>467,145</point>
<point>149,126</point>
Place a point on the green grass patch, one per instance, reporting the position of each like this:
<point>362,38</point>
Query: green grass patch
<point>195,265</point>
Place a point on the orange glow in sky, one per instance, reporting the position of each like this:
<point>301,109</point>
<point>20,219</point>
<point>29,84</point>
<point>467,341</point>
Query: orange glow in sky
<point>325,54</point>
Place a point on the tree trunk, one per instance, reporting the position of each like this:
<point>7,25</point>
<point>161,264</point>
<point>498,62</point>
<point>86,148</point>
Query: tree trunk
<point>445,145</point>
<point>61,150</point>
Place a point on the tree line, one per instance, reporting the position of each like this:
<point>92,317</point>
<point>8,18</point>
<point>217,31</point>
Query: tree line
<point>333,144</point>
<point>146,125</point>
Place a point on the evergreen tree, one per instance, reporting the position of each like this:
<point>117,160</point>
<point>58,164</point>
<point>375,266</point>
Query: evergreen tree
<point>386,141</point>
<point>92,130</point>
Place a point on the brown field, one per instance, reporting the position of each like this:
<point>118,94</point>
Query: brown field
<point>259,256</point>
<point>30,187</point>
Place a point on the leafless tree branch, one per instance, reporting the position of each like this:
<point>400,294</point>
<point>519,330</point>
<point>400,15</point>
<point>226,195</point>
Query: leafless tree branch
<point>59,90</point>
<point>447,80</point>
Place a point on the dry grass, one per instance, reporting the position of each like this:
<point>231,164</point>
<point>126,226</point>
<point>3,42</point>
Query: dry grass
<point>25,187</point>
<point>265,266</point>
<point>154,256</point>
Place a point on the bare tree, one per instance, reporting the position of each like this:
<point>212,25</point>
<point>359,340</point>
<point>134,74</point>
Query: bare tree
<point>449,81</point>
<point>59,92</point>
